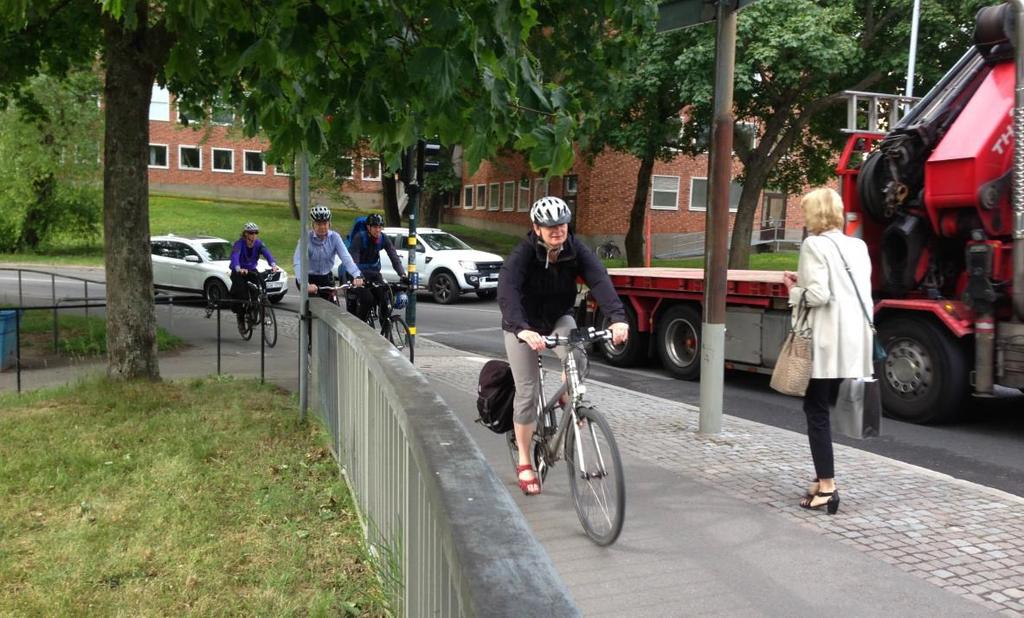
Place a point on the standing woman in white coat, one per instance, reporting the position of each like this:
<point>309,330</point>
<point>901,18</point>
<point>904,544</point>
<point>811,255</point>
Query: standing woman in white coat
<point>840,335</point>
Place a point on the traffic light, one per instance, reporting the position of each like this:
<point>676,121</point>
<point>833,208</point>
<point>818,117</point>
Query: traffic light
<point>431,152</point>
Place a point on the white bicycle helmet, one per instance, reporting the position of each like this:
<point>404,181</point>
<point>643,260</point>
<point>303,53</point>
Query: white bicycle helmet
<point>550,211</point>
<point>251,227</point>
<point>320,213</point>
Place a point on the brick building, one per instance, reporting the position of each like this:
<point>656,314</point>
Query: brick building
<point>500,193</point>
<point>214,160</point>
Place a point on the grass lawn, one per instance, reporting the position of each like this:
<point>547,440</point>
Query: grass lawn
<point>784,260</point>
<point>203,497</point>
<point>77,335</point>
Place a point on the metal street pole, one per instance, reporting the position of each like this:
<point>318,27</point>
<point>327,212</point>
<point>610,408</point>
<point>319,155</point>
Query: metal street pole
<point>412,176</point>
<point>303,276</point>
<point>913,48</point>
<point>716,245</point>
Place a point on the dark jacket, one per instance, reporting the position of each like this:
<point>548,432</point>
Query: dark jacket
<point>366,253</point>
<point>533,294</point>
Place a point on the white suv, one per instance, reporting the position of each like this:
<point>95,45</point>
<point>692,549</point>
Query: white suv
<point>447,266</point>
<point>200,264</point>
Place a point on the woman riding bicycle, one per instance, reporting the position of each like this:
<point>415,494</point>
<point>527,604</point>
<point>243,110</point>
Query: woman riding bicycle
<point>324,244</point>
<point>536,294</point>
<point>366,249</point>
<point>245,255</point>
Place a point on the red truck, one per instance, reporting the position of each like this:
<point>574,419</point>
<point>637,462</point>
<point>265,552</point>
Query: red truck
<point>936,202</point>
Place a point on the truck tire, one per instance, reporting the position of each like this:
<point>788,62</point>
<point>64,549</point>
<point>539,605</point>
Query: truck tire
<point>628,354</point>
<point>924,376</point>
<point>679,341</point>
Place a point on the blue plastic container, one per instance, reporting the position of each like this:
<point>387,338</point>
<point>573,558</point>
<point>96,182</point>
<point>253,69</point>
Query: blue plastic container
<point>8,338</point>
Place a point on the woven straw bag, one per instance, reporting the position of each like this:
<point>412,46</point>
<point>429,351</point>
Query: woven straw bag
<point>792,370</point>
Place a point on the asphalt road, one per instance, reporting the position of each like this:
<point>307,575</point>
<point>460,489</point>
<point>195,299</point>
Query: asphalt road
<point>985,447</point>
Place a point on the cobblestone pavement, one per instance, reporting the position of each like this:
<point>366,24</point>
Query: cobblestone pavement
<point>963,537</point>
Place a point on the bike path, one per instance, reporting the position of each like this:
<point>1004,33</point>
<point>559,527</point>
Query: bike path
<point>713,527</point>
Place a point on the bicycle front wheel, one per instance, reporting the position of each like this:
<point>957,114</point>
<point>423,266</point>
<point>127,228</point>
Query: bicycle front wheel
<point>269,326</point>
<point>596,482</point>
<point>249,319</point>
<point>398,334</point>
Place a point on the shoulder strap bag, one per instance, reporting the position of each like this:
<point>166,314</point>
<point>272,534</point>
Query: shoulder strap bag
<point>878,352</point>
<point>792,370</point>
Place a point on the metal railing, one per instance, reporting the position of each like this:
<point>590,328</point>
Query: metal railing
<point>457,543</point>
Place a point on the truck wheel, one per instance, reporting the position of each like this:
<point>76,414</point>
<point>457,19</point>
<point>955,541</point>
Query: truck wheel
<point>444,288</point>
<point>924,376</point>
<point>679,341</point>
<point>628,354</point>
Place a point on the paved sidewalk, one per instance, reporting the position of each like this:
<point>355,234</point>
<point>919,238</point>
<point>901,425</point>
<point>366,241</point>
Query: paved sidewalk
<point>712,525</point>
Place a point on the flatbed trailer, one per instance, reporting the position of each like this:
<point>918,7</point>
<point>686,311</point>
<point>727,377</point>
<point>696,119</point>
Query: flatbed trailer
<point>663,306</point>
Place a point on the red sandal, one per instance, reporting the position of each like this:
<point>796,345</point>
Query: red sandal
<point>530,487</point>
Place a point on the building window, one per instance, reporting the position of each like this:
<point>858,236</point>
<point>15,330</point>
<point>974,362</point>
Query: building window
<point>160,104</point>
<point>222,114</point>
<point>570,185</point>
<point>158,156</point>
<point>699,194</point>
<point>665,192</point>
<point>190,158</point>
<point>254,162</point>
<point>343,169</point>
<point>495,196</point>
<point>371,169</point>
<point>540,188</point>
<point>467,199</point>
<point>524,195</point>
<point>481,197</point>
<point>509,196</point>
<point>456,200</point>
<point>223,160</point>
<point>282,170</point>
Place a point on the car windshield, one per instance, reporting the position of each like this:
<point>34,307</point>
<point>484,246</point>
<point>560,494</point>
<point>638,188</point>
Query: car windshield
<point>217,250</point>
<point>443,242</point>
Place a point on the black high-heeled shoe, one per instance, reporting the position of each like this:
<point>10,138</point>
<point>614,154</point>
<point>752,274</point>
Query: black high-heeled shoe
<point>831,507</point>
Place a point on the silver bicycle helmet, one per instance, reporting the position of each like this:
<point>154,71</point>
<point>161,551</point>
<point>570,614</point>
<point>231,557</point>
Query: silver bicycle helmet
<point>320,213</point>
<point>251,227</point>
<point>550,211</point>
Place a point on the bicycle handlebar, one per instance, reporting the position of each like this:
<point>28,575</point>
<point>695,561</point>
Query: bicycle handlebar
<point>577,336</point>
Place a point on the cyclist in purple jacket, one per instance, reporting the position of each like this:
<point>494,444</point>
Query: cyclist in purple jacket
<point>245,254</point>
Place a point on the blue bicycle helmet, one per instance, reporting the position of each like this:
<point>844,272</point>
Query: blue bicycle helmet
<point>401,300</point>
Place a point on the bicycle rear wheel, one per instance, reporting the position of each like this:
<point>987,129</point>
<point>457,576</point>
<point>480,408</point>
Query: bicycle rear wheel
<point>596,482</point>
<point>398,334</point>
<point>250,317</point>
<point>269,326</point>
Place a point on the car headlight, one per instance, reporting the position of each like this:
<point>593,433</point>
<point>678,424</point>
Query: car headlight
<point>468,265</point>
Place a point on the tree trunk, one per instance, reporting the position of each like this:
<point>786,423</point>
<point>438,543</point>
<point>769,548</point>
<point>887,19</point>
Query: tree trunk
<point>292,202</point>
<point>390,189</point>
<point>434,203</point>
<point>635,234</point>
<point>131,318</point>
<point>755,177</point>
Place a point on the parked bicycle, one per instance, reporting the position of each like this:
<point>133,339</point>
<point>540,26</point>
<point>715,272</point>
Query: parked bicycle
<point>609,250</point>
<point>392,327</point>
<point>256,310</point>
<point>581,435</point>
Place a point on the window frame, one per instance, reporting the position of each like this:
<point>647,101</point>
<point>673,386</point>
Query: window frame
<point>157,90</point>
<point>481,197</point>
<point>494,196</point>
<point>574,181</point>
<point>468,192</point>
<point>198,150</point>
<point>653,191</point>
<point>693,179</point>
<point>213,160</point>
<point>542,183</point>
<point>245,162</point>
<point>362,169</point>
<point>167,157</point>
<point>508,196</point>
<point>351,169</point>
<point>522,206</point>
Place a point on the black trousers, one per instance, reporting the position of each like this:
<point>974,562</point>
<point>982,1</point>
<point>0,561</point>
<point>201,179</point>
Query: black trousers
<point>367,296</point>
<point>821,394</point>
<point>240,290</point>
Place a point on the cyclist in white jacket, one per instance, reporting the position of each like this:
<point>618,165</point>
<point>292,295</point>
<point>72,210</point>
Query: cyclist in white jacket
<point>324,244</point>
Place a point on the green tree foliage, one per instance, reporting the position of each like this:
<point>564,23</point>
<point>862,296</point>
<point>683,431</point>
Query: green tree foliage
<point>392,71</point>
<point>794,58</point>
<point>50,170</point>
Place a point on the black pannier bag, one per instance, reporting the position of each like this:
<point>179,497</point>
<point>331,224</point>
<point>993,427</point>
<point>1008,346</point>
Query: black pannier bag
<point>495,391</point>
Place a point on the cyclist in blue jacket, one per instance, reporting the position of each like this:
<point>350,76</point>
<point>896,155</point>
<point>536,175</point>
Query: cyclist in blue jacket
<point>324,244</point>
<point>536,294</point>
<point>365,249</point>
<point>245,255</point>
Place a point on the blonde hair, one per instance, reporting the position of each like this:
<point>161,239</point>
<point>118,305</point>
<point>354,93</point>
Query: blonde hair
<point>823,210</point>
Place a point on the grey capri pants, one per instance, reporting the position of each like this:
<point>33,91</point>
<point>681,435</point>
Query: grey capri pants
<point>525,372</point>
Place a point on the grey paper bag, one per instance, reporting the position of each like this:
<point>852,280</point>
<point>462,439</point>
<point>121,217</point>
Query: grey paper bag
<point>858,409</point>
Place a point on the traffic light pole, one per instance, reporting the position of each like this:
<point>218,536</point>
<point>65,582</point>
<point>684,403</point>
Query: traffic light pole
<point>412,177</point>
